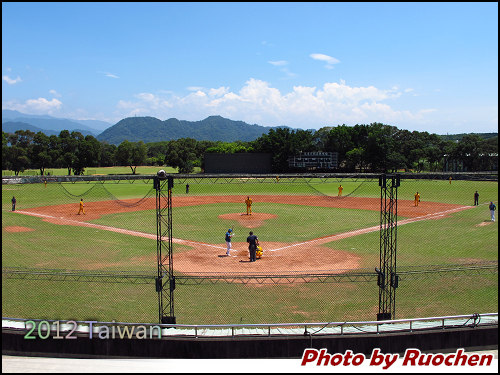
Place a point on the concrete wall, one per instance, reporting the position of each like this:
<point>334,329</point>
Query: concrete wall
<point>438,340</point>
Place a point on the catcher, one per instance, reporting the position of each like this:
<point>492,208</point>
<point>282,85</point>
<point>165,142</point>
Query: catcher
<point>259,252</point>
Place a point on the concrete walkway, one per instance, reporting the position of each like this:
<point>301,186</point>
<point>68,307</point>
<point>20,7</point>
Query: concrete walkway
<point>15,364</point>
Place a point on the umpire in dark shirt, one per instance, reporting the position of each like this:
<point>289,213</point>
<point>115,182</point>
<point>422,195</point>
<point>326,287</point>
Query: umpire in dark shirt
<point>253,242</point>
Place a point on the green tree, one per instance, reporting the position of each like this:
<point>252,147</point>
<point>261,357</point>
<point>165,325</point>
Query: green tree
<point>5,151</point>
<point>448,149</point>
<point>202,148</point>
<point>55,151</point>
<point>321,137</point>
<point>355,158</point>
<point>228,148</point>
<point>79,160</point>
<point>92,151</point>
<point>283,143</point>
<point>181,154</point>
<point>107,156</point>
<point>132,154</point>
<point>489,155</point>
<point>157,150</point>
<point>380,144</point>
<point>433,154</point>
<point>339,139</point>
<point>68,146</point>
<point>18,158</point>
<point>41,157</point>
<point>469,150</point>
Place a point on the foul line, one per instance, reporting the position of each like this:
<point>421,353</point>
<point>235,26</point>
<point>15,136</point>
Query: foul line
<point>339,236</point>
<point>118,230</point>
<point>179,241</point>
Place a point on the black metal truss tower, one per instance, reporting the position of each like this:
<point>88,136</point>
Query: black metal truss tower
<point>165,281</point>
<point>387,277</point>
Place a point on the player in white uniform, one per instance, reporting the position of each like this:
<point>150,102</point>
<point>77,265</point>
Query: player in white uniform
<point>229,234</point>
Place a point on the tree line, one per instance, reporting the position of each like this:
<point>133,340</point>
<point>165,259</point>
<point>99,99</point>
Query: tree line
<point>375,148</point>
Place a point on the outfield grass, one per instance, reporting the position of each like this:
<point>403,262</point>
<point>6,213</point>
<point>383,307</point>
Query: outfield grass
<point>459,192</point>
<point>71,247</point>
<point>295,223</point>
<point>462,237</point>
<point>458,238</point>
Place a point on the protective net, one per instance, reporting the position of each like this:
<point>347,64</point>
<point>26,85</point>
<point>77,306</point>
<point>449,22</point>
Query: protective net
<point>320,239</point>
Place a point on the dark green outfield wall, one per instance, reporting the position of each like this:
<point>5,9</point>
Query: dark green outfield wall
<point>438,340</point>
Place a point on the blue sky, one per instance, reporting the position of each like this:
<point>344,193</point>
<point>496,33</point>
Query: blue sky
<point>417,66</point>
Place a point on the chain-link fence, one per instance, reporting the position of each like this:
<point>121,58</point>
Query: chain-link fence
<point>319,235</point>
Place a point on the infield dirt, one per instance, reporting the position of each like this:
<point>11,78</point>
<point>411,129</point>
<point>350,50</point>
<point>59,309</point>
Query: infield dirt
<point>278,258</point>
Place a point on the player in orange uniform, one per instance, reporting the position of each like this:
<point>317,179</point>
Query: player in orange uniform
<point>417,198</point>
<point>248,201</point>
<point>81,210</point>
<point>340,190</point>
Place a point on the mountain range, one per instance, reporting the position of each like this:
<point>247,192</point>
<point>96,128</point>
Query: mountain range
<point>48,124</point>
<point>134,129</point>
<point>149,129</point>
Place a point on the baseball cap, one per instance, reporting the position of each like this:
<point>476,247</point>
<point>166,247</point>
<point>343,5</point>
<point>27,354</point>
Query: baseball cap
<point>229,230</point>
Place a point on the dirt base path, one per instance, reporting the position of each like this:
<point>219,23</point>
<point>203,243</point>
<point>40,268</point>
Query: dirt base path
<point>279,258</point>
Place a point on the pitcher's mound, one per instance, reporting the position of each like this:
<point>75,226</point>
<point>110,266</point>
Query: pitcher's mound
<point>249,221</point>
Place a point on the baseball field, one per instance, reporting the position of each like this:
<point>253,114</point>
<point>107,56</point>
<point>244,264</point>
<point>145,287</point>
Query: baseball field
<point>306,231</point>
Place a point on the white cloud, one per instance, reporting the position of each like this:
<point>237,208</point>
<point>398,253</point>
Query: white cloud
<point>422,111</point>
<point>278,63</point>
<point>153,101</point>
<point>108,74</point>
<point>55,93</point>
<point>146,96</point>
<point>127,105</point>
<point>11,81</point>
<point>195,88</point>
<point>284,70</point>
<point>38,106</point>
<point>43,105</point>
<point>329,60</point>
<point>352,95</point>
<point>218,92</point>
<point>199,94</point>
<point>258,102</point>
<point>409,89</point>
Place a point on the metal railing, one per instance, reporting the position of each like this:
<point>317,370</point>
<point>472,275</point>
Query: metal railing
<point>275,329</point>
